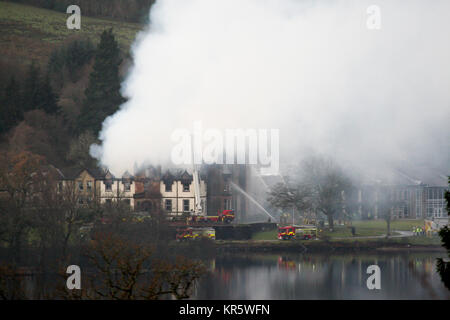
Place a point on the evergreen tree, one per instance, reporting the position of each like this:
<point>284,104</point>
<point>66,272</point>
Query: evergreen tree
<point>10,107</point>
<point>68,60</point>
<point>103,92</point>
<point>47,100</point>
<point>31,89</point>
<point>78,53</point>
<point>38,92</point>
<point>55,67</point>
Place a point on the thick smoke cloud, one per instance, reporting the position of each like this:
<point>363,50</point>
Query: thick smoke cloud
<point>371,98</point>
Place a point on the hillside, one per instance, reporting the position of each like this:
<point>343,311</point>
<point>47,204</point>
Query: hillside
<point>31,33</point>
<point>46,70</point>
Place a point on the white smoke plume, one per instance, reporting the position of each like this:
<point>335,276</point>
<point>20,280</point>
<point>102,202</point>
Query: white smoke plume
<point>312,69</point>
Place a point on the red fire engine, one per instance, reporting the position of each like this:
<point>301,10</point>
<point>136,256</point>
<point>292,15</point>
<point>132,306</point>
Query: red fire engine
<point>297,232</point>
<point>286,233</point>
<point>226,216</point>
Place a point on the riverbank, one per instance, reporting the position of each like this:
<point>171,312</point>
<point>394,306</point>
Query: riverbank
<point>347,245</point>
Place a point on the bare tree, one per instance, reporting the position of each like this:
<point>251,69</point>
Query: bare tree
<point>285,196</point>
<point>126,270</point>
<point>20,176</point>
<point>317,184</point>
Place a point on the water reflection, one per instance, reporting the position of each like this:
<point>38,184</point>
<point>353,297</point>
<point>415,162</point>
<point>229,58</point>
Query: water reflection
<point>313,276</point>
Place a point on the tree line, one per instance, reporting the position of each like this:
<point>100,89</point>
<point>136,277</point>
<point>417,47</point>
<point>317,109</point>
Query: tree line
<point>124,10</point>
<point>35,93</point>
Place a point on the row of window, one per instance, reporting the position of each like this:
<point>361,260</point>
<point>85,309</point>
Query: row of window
<point>88,185</point>
<point>186,205</point>
<point>168,205</point>
<point>127,186</point>
<point>108,185</point>
<point>186,187</point>
<point>429,193</point>
<point>436,193</point>
<point>88,200</point>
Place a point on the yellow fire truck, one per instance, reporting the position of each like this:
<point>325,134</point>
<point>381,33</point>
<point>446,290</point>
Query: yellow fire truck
<point>190,233</point>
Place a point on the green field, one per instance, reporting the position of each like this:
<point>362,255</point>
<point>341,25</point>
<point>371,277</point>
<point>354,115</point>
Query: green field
<point>32,32</point>
<point>413,241</point>
<point>362,229</point>
<point>401,225</point>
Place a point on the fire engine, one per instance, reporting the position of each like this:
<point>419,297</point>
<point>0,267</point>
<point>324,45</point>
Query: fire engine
<point>297,232</point>
<point>226,216</point>
<point>286,233</point>
<point>190,233</point>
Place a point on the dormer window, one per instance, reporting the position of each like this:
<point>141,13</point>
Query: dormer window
<point>168,186</point>
<point>185,187</point>
<point>108,185</point>
<point>127,185</point>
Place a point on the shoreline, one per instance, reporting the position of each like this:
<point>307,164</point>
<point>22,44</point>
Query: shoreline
<point>261,246</point>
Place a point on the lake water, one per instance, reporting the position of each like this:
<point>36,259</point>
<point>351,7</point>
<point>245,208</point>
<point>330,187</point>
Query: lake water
<point>319,276</point>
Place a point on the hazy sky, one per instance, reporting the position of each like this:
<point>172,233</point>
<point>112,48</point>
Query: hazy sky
<point>311,69</point>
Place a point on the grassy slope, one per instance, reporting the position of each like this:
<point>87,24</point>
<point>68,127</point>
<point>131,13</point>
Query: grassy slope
<point>363,228</point>
<point>31,33</point>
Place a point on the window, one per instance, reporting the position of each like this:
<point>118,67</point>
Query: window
<point>89,185</point>
<point>127,185</point>
<point>108,185</point>
<point>127,201</point>
<point>226,204</point>
<point>108,201</point>
<point>80,201</point>
<point>80,185</point>
<point>168,186</point>
<point>60,186</point>
<point>185,187</point>
<point>186,205</point>
<point>168,205</point>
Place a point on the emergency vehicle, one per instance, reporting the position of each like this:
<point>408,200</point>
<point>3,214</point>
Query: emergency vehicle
<point>297,232</point>
<point>226,216</point>
<point>185,234</point>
